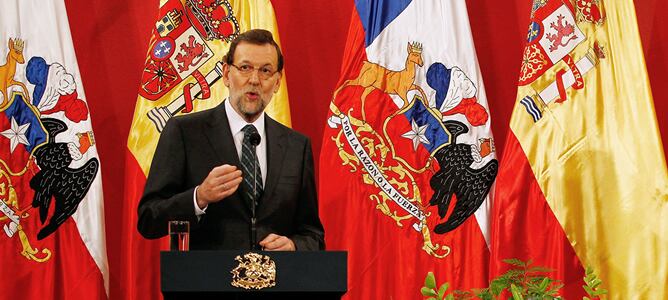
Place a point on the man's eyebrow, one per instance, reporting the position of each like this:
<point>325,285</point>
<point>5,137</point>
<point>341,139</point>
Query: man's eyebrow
<point>245,61</point>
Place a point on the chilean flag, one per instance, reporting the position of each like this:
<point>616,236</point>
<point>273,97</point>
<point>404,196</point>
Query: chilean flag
<point>409,138</point>
<point>52,241</point>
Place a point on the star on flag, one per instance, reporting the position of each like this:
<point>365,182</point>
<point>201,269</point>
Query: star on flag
<point>417,134</point>
<point>16,134</point>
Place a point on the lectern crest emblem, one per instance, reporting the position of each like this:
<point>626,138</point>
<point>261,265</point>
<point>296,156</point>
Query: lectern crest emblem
<point>255,271</point>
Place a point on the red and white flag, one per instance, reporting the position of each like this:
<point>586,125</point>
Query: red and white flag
<point>52,241</point>
<point>408,160</point>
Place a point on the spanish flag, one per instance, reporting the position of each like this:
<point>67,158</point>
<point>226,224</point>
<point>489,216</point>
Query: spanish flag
<point>181,75</point>
<point>583,181</point>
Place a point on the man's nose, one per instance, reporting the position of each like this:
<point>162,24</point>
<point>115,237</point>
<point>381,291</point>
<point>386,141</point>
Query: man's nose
<point>254,77</point>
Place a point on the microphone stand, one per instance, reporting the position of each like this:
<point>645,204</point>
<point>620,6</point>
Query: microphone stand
<point>253,204</point>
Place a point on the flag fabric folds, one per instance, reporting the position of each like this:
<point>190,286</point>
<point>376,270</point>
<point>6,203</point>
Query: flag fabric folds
<point>408,162</point>
<point>52,241</point>
<point>181,75</point>
<point>583,182</point>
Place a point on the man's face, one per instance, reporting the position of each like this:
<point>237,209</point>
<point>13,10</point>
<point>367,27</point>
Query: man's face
<point>251,92</point>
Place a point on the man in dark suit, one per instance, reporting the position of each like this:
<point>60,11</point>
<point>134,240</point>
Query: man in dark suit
<point>196,173</point>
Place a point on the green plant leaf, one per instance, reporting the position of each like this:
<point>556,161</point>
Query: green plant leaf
<point>522,281</point>
<point>516,291</point>
<point>587,289</point>
<point>430,281</point>
<point>428,292</point>
<point>432,298</point>
<point>554,289</point>
<point>539,270</point>
<point>485,295</point>
<point>601,292</point>
<point>498,285</point>
<point>442,289</point>
<point>595,282</point>
<point>592,282</point>
<point>515,262</point>
<point>514,273</point>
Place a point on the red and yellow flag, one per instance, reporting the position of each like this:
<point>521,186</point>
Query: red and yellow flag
<point>181,75</point>
<point>583,181</point>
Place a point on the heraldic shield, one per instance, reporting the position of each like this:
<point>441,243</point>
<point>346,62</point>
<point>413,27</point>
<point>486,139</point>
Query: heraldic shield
<point>42,158</point>
<point>412,149</point>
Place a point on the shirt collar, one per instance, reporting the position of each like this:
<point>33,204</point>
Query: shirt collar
<point>237,122</point>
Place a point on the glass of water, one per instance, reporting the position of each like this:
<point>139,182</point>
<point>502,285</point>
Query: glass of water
<point>179,235</point>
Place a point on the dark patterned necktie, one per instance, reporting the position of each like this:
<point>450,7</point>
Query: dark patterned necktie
<point>248,163</point>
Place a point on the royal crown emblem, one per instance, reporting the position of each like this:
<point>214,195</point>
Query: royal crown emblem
<point>213,19</point>
<point>255,271</point>
<point>560,44</point>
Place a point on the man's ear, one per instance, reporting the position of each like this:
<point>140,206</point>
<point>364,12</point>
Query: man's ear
<point>226,74</point>
<point>277,85</point>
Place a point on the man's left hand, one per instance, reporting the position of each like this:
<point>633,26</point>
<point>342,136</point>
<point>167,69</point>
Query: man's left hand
<point>275,242</point>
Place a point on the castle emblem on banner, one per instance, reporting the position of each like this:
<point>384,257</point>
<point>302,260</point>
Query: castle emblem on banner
<point>45,161</point>
<point>181,45</point>
<point>556,43</point>
<point>407,147</point>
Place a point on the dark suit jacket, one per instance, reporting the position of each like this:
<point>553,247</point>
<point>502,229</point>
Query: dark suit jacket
<point>190,146</point>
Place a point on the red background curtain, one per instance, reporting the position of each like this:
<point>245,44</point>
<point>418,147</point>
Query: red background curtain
<point>111,40</point>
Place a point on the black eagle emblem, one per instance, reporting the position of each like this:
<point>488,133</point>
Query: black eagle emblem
<point>456,177</point>
<point>56,180</point>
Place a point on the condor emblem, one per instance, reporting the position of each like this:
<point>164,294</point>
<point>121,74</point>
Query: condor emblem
<point>423,165</point>
<point>255,271</point>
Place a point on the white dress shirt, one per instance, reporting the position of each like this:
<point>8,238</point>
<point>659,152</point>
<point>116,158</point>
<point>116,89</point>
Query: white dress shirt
<point>237,123</point>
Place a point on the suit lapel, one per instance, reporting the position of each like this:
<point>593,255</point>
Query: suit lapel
<point>220,137</point>
<point>275,156</point>
<point>221,140</point>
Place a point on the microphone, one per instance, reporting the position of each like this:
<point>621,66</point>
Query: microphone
<point>254,140</point>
